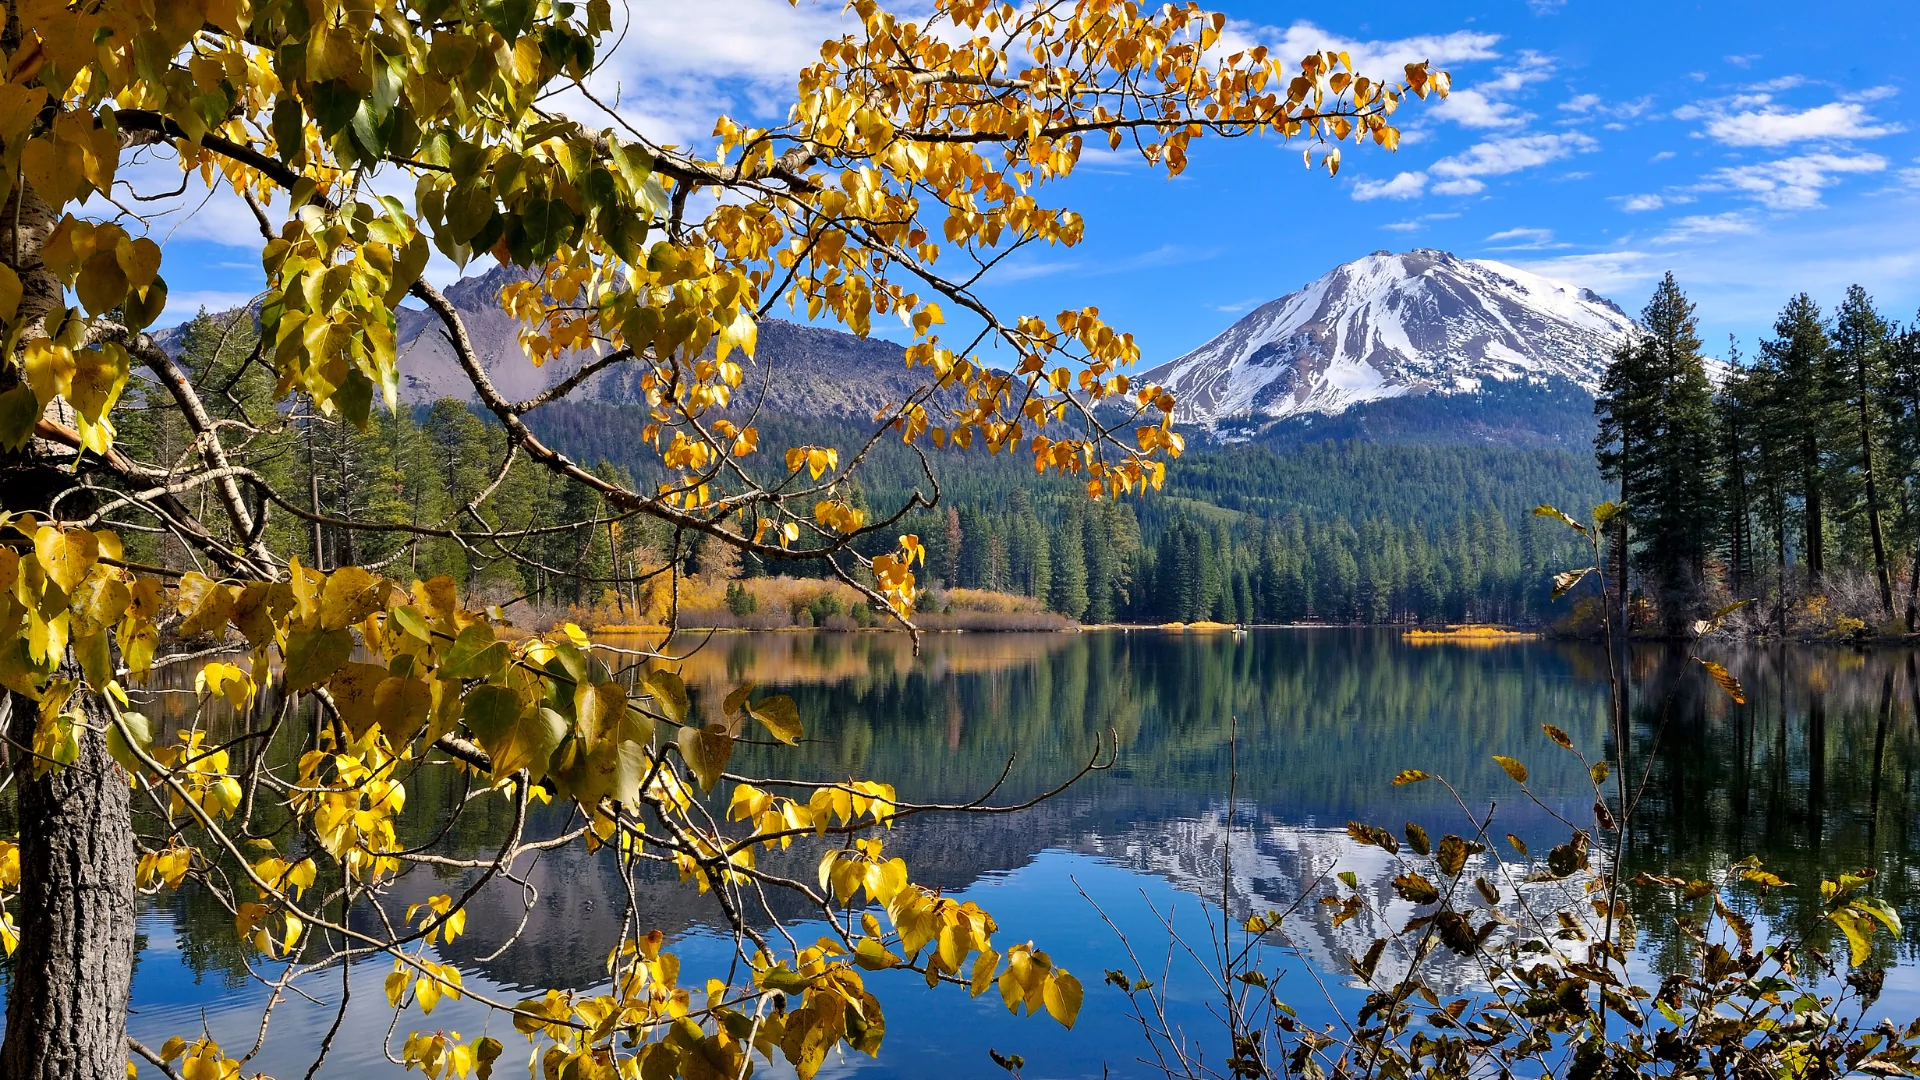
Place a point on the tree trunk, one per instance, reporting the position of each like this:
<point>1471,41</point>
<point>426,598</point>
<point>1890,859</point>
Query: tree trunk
<point>1873,499</point>
<point>73,970</point>
<point>1816,547</point>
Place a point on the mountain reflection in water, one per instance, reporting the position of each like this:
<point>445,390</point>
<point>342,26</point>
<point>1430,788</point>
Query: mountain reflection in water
<point>1814,775</point>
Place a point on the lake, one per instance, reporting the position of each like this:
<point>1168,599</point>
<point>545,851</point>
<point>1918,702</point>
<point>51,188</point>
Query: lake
<point>1814,775</point>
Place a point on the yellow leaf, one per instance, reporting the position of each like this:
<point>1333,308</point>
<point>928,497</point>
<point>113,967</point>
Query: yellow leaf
<point>1061,997</point>
<point>706,751</point>
<point>1514,768</point>
<point>67,555</point>
<point>49,369</point>
<point>1726,680</point>
<point>350,594</point>
<point>9,294</point>
<point>780,716</point>
<point>204,605</point>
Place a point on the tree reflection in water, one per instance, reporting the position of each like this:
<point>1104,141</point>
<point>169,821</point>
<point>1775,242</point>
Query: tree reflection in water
<point>1814,775</point>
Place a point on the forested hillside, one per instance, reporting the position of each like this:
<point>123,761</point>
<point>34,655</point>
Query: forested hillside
<point>1281,530</point>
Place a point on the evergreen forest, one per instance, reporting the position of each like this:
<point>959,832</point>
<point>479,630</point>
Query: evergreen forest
<point>1791,481</point>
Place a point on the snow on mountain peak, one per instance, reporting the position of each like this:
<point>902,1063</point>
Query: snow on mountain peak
<point>1387,325</point>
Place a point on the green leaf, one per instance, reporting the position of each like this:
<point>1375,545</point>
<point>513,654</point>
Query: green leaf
<point>409,619</point>
<point>19,410</point>
<point>1882,911</point>
<point>474,654</point>
<point>510,17</point>
<point>142,733</point>
<point>369,134</point>
<point>491,713</point>
<point>312,656</point>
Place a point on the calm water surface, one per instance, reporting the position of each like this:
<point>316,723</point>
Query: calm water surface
<point>1815,775</point>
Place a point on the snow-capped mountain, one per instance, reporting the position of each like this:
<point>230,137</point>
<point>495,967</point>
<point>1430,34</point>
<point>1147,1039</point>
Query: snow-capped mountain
<point>1387,325</point>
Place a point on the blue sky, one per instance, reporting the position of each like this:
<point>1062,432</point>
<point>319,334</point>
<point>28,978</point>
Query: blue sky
<point>1752,149</point>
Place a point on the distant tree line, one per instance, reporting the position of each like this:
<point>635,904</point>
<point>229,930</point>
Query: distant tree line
<point>1793,480</point>
<point>1202,563</point>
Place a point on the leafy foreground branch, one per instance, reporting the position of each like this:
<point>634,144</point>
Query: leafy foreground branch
<point>293,849</point>
<point>1543,946</point>
<point>916,157</point>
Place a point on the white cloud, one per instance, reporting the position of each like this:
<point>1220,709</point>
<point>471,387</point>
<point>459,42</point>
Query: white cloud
<point>1792,183</point>
<point>1871,93</point>
<point>1634,204</point>
<point>1772,125</point>
<point>1239,306</point>
<point>1482,104</point>
<point>1661,156</point>
<point>1378,59</point>
<point>1580,103</point>
<point>1605,272</point>
<point>1407,185</point>
<point>1702,225</point>
<point>1524,239</point>
<point>1463,186</point>
<point>1474,109</point>
<point>1510,154</point>
<point>1744,60</point>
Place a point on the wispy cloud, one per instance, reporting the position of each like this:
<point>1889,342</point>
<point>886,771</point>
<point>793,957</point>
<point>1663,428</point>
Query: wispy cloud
<point>1511,154</point>
<point>1238,306</point>
<point>1164,255</point>
<point>1636,204</point>
<point>1771,125</point>
<point>1524,239</point>
<point>1608,273</point>
<point>1699,226</point>
<point>1406,185</point>
<point>1379,58</point>
<point>1792,183</point>
<point>1484,104</point>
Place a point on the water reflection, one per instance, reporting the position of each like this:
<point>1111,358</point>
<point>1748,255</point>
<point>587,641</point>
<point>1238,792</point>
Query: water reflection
<point>1814,775</point>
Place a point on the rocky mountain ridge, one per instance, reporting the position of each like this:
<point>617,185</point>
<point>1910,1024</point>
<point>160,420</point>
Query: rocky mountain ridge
<point>1395,325</point>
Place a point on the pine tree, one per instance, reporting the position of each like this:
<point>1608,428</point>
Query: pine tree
<point>1069,547</point>
<point>1803,356</point>
<point>1657,441</point>
<point>1860,342</point>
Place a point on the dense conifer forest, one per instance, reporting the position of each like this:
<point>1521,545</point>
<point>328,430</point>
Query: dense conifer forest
<point>1792,481</point>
